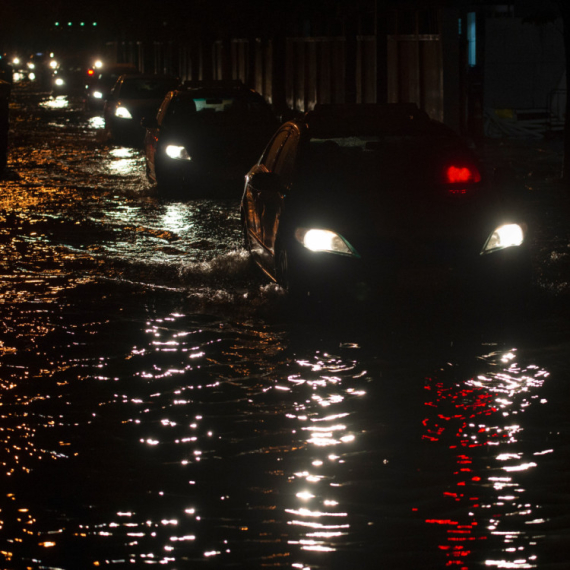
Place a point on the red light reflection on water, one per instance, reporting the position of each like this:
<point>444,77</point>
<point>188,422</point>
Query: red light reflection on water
<point>470,419</point>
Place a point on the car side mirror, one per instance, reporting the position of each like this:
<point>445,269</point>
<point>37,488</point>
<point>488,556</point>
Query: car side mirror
<point>149,122</point>
<point>265,182</point>
<point>288,115</point>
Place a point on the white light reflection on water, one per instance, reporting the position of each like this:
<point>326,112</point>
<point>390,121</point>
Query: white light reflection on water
<point>59,102</point>
<point>488,445</point>
<point>323,423</point>
<point>125,161</point>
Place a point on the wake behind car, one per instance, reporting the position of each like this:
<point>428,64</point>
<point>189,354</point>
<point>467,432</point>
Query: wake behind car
<point>132,98</point>
<point>206,134</point>
<point>368,201</point>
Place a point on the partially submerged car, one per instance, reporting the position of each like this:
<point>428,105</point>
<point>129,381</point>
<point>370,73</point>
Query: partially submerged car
<point>70,77</point>
<point>370,200</point>
<point>99,88</point>
<point>132,98</point>
<point>206,133</point>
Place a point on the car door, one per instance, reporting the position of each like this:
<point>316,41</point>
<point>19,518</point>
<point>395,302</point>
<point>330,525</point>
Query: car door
<point>271,199</point>
<point>152,135</point>
<point>254,192</point>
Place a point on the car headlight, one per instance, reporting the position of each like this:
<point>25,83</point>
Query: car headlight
<point>123,113</point>
<point>324,240</point>
<point>509,235</point>
<point>177,152</point>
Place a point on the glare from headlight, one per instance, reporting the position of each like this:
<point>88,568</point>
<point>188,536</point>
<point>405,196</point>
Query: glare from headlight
<point>123,113</point>
<point>177,152</point>
<point>509,235</point>
<point>323,240</point>
<point>59,82</point>
<point>97,95</point>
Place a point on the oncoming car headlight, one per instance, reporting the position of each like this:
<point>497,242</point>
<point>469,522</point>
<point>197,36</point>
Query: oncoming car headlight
<point>177,152</point>
<point>123,113</point>
<point>508,235</point>
<point>323,240</point>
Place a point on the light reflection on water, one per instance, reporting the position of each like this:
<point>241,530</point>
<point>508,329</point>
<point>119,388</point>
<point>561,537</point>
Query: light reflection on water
<point>227,443</point>
<point>480,420</point>
<point>188,422</point>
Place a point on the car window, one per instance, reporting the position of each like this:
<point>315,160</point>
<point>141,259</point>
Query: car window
<point>145,88</point>
<point>272,152</point>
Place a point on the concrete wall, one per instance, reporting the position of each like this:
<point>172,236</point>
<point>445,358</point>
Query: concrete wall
<point>523,63</point>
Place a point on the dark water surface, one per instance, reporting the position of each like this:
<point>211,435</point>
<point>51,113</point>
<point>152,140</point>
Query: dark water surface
<point>162,405</point>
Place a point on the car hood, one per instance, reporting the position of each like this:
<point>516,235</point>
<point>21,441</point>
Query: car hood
<point>404,215</point>
<point>213,139</point>
<point>140,107</point>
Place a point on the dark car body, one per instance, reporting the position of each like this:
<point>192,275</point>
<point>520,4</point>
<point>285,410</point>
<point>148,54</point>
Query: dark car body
<point>207,133</point>
<point>70,77</point>
<point>132,98</point>
<point>402,199</point>
<point>99,88</point>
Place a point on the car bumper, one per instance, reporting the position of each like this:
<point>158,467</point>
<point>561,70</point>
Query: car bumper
<point>482,278</point>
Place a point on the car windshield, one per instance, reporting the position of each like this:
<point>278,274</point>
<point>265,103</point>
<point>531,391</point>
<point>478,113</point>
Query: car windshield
<point>187,107</point>
<point>360,162</point>
<point>146,88</point>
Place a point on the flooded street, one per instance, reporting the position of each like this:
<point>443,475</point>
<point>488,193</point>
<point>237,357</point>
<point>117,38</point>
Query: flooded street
<point>162,404</point>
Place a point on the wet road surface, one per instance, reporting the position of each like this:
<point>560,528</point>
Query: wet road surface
<point>161,404</point>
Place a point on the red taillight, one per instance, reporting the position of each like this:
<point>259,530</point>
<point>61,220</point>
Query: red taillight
<point>462,175</point>
<point>90,72</point>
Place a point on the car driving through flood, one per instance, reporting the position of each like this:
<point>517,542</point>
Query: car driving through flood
<point>374,200</point>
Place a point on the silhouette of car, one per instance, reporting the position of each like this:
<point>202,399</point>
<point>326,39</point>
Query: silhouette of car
<point>369,201</point>
<point>70,77</point>
<point>206,133</point>
<point>132,98</point>
<point>99,88</point>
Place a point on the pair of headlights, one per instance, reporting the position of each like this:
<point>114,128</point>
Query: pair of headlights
<point>507,235</point>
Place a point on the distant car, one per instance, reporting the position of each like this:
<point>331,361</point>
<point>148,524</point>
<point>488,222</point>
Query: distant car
<point>371,200</point>
<point>70,77</point>
<point>99,88</point>
<point>206,133</point>
<point>132,98</point>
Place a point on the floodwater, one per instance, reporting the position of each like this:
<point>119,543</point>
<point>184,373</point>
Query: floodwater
<point>162,404</point>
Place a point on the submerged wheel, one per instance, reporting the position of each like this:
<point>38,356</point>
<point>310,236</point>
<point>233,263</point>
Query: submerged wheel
<point>245,235</point>
<point>282,272</point>
<point>286,276</point>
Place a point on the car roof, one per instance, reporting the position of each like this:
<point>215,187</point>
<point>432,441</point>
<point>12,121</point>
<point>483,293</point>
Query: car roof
<point>340,120</point>
<point>147,76</point>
